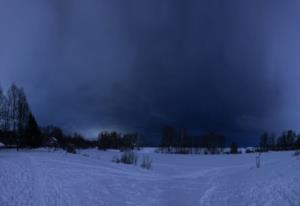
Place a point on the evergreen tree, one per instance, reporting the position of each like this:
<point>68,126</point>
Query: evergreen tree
<point>32,133</point>
<point>23,110</point>
<point>264,139</point>
<point>272,141</point>
<point>23,113</point>
<point>281,141</point>
<point>233,148</point>
<point>168,137</point>
<point>297,142</point>
<point>213,142</point>
<point>290,139</point>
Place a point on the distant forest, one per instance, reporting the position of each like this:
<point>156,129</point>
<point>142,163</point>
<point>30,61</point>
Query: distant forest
<point>19,128</point>
<point>176,140</point>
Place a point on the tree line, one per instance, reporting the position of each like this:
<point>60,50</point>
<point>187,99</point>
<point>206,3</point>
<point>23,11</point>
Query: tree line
<point>64,140</point>
<point>115,140</point>
<point>176,140</point>
<point>19,128</point>
<point>288,140</point>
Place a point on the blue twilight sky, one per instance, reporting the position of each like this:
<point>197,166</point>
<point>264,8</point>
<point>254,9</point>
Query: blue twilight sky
<point>213,65</point>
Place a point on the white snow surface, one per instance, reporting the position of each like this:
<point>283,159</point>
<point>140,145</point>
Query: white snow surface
<point>42,178</point>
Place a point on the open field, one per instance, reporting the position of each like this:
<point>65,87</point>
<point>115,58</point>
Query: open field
<point>42,178</point>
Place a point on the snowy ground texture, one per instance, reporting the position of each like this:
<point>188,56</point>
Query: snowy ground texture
<point>41,178</point>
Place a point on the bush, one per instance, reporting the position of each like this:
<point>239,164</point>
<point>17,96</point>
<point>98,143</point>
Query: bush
<point>129,157</point>
<point>146,163</point>
<point>71,149</point>
<point>158,150</point>
<point>116,159</point>
<point>297,154</point>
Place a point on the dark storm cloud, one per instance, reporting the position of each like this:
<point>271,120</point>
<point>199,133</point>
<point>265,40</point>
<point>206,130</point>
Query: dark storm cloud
<point>135,65</point>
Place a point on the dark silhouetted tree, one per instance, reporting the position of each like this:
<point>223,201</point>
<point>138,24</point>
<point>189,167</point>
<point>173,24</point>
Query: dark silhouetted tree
<point>3,109</point>
<point>129,141</point>
<point>213,142</point>
<point>12,95</point>
<point>109,140</point>
<point>23,115</point>
<point>281,141</point>
<point>233,148</point>
<point>290,139</point>
<point>272,141</point>
<point>264,139</point>
<point>115,140</point>
<point>287,140</point>
<point>297,143</point>
<point>33,136</point>
<point>168,139</point>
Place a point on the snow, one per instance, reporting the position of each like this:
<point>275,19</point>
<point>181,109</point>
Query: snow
<point>1,145</point>
<point>42,178</point>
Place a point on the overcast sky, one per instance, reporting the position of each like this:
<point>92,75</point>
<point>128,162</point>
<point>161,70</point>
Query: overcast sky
<point>227,66</point>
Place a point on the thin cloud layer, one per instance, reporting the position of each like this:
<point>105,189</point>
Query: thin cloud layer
<point>135,65</point>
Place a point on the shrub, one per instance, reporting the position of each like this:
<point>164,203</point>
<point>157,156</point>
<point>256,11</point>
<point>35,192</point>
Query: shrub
<point>146,163</point>
<point>297,154</point>
<point>158,150</point>
<point>71,149</point>
<point>115,159</point>
<point>129,157</point>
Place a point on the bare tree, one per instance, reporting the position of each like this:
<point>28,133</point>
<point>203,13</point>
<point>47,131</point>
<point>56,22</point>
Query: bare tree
<point>2,109</point>
<point>168,139</point>
<point>23,110</point>
<point>12,96</point>
<point>4,112</point>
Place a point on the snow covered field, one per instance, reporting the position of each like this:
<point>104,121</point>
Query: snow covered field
<point>40,178</point>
